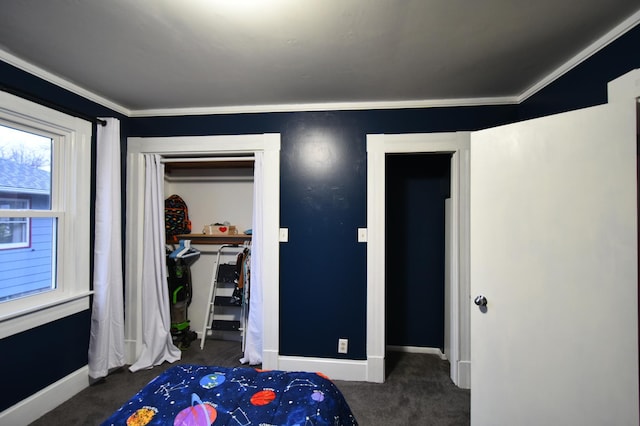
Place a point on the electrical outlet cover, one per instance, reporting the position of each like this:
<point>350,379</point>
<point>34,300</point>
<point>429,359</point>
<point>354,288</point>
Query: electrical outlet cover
<point>343,346</point>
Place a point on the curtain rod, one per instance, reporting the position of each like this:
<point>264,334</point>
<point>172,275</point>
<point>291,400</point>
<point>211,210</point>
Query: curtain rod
<point>205,159</point>
<point>51,105</point>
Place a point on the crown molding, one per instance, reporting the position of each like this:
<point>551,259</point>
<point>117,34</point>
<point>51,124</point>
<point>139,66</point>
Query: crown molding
<point>585,54</point>
<point>328,106</point>
<point>59,81</point>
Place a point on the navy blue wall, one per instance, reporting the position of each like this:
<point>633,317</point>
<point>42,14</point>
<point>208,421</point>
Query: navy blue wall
<point>323,202</point>
<point>37,358</point>
<point>586,85</point>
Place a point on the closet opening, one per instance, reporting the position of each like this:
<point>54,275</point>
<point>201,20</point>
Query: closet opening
<point>224,178</point>
<point>451,148</point>
<point>417,186</point>
<point>219,192</point>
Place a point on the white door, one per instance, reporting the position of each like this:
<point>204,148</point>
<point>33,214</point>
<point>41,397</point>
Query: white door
<point>554,251</point>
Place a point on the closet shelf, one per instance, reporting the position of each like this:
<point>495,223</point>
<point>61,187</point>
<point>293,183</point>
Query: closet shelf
<point>214,239</point>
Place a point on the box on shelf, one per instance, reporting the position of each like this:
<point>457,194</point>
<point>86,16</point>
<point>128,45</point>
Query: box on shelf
<point>220,230</point>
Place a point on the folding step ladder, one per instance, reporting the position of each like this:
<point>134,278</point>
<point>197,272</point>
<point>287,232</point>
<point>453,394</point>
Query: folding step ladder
<point>225,274</point>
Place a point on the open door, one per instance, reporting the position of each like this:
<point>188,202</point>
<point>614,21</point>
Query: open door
<point>554,254</point>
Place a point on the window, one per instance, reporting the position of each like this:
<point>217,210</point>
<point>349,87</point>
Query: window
<point>45,161</point>
<point>25,184</point>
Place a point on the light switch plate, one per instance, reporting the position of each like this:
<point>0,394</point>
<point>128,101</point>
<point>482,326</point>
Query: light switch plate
<point>284,235</point>
<point>362,235</point>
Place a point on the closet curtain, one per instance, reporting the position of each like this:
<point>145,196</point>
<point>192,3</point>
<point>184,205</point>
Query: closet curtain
<point>157,344</point>
<point>253,342</point>
<point>106,341</point>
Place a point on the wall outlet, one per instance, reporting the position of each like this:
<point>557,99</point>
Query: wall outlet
<point>343,346</point>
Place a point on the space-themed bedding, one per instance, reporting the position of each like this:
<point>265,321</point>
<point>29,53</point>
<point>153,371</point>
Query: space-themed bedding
<point>190,395</point>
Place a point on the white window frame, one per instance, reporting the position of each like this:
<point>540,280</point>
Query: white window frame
<point>71,192</point>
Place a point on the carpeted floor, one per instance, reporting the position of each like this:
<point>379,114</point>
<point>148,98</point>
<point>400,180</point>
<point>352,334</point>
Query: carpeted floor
<point>417,391</point>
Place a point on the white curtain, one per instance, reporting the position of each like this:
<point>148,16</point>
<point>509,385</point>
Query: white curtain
<point>106,342</point>
<point>157,345</point>
<point>253,344</point>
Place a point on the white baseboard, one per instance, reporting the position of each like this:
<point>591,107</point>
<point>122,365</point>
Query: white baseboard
<point>376,372</point>
<point>38,404</point>
<point>371,370</point>
<point>130,355</point>
<point>417,350</point>
<point>270,359</point>
<point>335,369</point>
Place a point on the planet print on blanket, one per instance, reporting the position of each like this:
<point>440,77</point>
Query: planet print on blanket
<point>206,395</point>
<point>199,414</point>
<point>212,380</point>
<point>263,397</point>
<point>142,416</point>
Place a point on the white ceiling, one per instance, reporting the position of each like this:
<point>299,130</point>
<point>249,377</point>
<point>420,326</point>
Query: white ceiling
<point>152,55</point>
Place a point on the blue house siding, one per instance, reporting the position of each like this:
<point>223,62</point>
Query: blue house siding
<point>323,268</point>
<point>28,269</point>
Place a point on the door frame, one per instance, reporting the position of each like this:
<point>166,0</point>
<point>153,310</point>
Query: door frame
<point>269,144</point>
<point>457,311</point>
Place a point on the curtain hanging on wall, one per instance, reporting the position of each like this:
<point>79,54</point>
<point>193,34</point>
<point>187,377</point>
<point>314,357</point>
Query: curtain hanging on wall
<point>157,344</point>
<point>106,342</point>
<point>253,343</point>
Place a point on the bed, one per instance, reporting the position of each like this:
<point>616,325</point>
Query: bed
<point>208,395</point>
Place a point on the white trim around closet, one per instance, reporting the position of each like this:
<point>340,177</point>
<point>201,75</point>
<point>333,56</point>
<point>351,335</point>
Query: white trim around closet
<point>269,144</point>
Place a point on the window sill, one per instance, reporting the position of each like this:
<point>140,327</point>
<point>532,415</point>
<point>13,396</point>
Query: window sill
<point>17,322</point>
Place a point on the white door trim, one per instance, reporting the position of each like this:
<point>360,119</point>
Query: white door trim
<point>377,147</point>
<point>269,144</point>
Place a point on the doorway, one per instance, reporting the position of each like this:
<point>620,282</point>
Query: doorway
<point>456,316</point>
<point>269,146</point>
<point>417,186</point>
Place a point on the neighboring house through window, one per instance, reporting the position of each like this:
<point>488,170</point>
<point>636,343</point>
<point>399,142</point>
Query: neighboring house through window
<point>15,232</point>
<point>26,257</point>
<point>45,179</point>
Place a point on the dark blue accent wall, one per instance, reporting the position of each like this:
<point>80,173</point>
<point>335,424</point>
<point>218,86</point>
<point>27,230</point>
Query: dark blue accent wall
<point>41,356</point>
<point>323,202</point>
<point>586,84</point>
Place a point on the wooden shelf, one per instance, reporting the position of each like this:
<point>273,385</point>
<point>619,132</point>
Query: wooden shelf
<point>236,163</point>
<point>215,239</point>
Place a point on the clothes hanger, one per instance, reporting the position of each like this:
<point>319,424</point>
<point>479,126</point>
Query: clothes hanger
<point>184,250</point>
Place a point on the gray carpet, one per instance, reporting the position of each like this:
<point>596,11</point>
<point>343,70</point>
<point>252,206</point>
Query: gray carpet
<point>417,391</point>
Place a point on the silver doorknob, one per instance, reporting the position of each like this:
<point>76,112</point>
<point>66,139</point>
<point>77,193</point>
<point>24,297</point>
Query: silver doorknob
<point>480,301</point>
